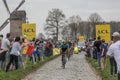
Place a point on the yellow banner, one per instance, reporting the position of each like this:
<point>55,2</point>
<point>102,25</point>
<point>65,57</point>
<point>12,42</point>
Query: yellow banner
<point>81,39</point>
<point>29,30</point>
<point>56,51</point>
<point>103,31</point>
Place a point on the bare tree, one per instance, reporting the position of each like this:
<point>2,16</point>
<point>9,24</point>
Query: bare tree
<point>94,19</point>
<point>66,31</point>
<point>54,21</point>
<point>74,24</point>
<point>86,30</point>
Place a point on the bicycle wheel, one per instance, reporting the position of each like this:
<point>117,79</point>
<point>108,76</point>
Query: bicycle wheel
<point>64,62</point>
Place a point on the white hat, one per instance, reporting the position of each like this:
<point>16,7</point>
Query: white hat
<point>115,34</point>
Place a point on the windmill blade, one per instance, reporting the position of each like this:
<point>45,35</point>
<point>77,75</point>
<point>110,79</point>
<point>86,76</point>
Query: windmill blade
<point>6,6</point>
<point>19,6</point>
<point>7,21</point>
<point>4,24</point>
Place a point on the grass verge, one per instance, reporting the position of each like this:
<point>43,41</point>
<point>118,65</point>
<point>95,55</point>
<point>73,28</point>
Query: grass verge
<point>105,75</point>
<point>21,73</point>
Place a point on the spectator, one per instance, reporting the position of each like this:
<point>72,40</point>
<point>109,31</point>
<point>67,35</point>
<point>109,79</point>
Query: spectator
<point>2,58</point>
<point>103,54</point>
<point>113,65</point>
<point>50,49</point>
<point>87,50</point>
<point>114,50</point>
<point>5,46</point>
<point>15,52</point>
<point>1,37</point>
<point>42,49</point>
<point>94,50</point>
<point>36,54</point>
<point>2,53</point>
<point>47,50</point>
<point>24,52</point>
<point>97,45</point>
<point>30,51</point>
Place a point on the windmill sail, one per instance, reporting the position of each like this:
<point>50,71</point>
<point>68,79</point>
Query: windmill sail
<point>7,20</point>
<point>19,6</point>
<point>4,24</point>
<point>6,6</point>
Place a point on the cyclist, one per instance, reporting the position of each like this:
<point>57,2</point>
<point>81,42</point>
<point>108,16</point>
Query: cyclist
<point>70,49</point>
<point>64,50</point>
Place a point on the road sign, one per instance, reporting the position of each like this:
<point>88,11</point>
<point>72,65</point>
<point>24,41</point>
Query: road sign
<point>103,31</point>
<point>29,30</point>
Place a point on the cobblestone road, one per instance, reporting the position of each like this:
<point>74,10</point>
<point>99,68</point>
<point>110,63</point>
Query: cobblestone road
<point>76,69</point>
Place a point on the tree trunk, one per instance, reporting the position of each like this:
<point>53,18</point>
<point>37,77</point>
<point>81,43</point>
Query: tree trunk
<point>57,31</point>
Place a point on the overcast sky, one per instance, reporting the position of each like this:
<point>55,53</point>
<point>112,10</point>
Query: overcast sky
<point>37,10</point>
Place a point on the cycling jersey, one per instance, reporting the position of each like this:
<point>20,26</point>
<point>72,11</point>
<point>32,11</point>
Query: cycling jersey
<point>64,47</point>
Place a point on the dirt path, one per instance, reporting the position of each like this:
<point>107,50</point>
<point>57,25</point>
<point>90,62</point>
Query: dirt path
<point>76,69</point>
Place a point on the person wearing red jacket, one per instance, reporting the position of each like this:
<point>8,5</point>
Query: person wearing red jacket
<point>30,51</point>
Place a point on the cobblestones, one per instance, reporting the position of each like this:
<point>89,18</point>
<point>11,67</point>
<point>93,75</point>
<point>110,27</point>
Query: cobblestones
<point>76,69</point>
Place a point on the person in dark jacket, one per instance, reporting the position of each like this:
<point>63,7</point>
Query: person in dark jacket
<point>97,45</point>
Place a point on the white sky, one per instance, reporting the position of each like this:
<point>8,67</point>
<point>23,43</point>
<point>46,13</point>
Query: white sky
<point>37,10</point>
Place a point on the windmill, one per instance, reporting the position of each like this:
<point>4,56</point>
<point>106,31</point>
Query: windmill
<point>10,13</point>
